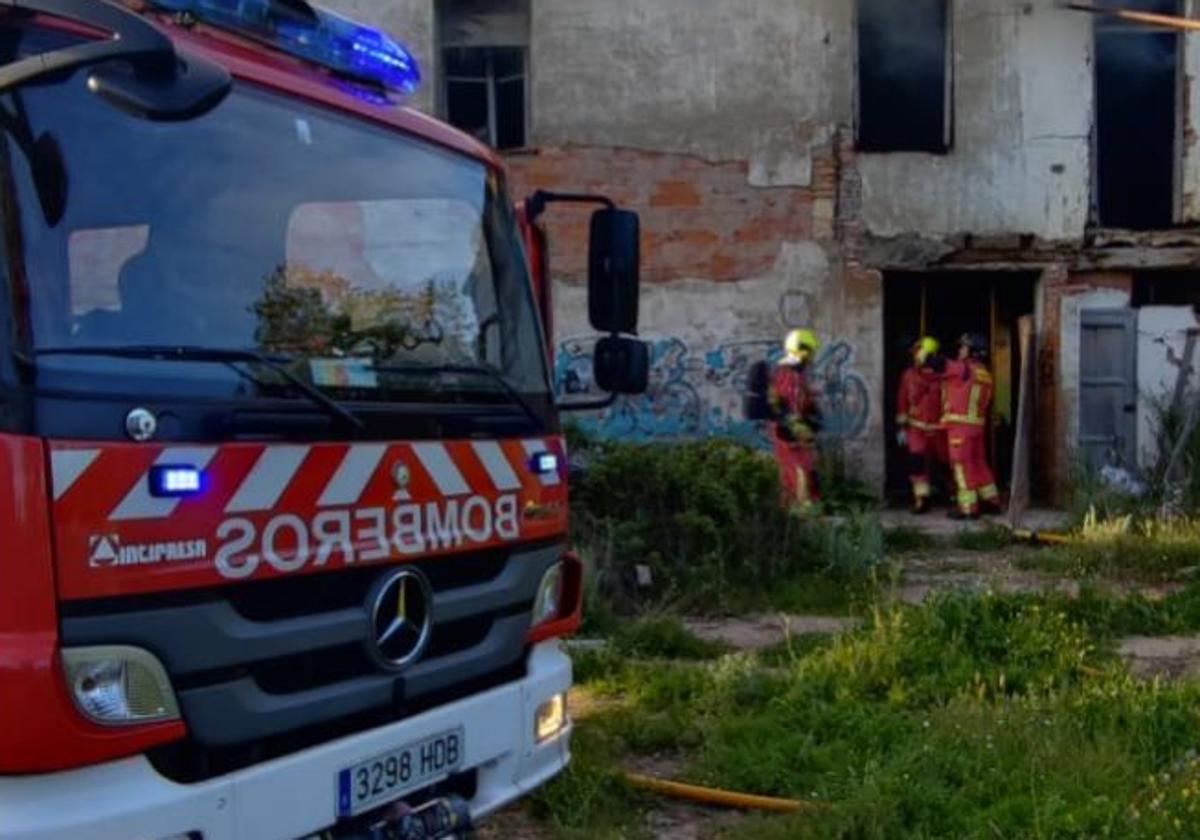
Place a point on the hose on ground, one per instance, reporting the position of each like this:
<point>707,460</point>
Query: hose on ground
<point>723,798</point>
<point>1042,537</point>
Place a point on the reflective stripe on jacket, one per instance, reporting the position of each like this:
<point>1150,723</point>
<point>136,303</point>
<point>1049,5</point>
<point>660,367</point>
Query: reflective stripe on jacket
<point>966,393</point>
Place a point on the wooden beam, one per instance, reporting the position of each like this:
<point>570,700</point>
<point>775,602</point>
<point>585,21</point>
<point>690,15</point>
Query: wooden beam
<point>1148,18</point>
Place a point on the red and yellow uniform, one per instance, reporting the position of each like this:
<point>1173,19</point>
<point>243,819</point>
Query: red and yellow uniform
<point>966,402</point>
<point>918,416</point>
<point>794,404</point>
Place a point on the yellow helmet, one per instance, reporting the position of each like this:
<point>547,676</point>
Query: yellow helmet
<point>926,347</point>
<point>801,343</point>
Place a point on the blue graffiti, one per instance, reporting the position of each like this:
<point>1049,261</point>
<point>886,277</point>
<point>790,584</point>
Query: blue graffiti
<point>699,394</point>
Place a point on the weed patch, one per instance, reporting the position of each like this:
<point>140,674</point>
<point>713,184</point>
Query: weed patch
<point>1125,547</point>
<point>970,716</point>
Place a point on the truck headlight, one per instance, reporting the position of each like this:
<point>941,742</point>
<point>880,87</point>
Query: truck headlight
<point>118,685</point>
<point>548,603</point>
<point>551,718</point>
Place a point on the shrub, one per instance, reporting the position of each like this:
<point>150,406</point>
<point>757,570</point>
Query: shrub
<point>707,520</point>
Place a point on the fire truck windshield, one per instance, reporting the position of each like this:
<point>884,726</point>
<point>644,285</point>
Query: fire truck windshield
<point>373,265</point>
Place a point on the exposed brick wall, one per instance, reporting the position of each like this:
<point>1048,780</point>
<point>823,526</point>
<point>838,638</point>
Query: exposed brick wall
<point>700,219</point>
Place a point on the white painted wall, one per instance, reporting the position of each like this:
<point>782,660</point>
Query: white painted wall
<point>1162,333</point>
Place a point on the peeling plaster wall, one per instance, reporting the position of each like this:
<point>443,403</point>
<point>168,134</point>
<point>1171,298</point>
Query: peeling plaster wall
<point>762,81</point>
<point>1022,117</point>
<point>705,336</point>
<point>1162,336</point>
<point>1190,170</point>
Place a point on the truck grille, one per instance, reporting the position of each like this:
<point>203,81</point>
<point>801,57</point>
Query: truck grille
<point>271,667</point>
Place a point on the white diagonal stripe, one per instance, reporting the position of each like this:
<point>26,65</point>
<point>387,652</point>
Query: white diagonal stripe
<point>139,504</point>
<point>269,477</point>
<point>352,475</point>
<point>66,465</point>
<point>497,466</point>
<point>436,461</point>
<point>537,447</point>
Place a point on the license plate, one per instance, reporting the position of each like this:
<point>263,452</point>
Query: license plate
<point>390,775</point>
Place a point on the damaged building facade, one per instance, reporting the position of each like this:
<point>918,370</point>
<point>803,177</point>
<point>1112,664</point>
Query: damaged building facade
<point>872,169</point>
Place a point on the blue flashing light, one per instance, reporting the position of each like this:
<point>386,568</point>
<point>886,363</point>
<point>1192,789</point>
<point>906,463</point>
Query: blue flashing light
<point>544,463</point>
<point>172,481</point>
<point>330,40</point>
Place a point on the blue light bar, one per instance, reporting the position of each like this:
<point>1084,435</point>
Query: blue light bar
<point>544,463</point>
<point>172,481</point>
<point>324,38</point>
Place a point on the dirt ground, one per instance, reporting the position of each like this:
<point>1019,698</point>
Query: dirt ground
<point>756,632</point>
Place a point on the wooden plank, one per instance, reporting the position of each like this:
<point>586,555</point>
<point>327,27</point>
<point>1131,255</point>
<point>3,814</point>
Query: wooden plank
<point>1185,371</point>
<point>1019,485</point>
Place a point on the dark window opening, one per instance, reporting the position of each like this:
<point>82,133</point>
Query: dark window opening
<point>1136,123</point>
<point>485,93</point>
<point>1167,288</point>
<point>484,52</point>
<point>903,76</point>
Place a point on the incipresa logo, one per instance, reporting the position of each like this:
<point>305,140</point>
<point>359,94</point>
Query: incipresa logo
<point>106,550</point>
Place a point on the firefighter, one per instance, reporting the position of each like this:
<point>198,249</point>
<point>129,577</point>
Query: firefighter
<point>918,421</point>
<point>797,420</point>
<point>966,405</point>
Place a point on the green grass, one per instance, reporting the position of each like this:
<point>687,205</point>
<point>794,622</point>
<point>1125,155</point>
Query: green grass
<point>989,538</point>
<point>808,594</point>
<point>591,800</point>
<point>972,716</point>
<point>1126,548</point>
<point>663,637</point>
<point>906,539</point>
<point>791,650</point>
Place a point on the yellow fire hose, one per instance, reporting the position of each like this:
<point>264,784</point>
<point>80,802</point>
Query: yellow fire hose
<point>1047,537</point>
<point>723,798</point>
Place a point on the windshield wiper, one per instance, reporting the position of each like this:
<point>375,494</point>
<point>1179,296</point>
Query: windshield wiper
<point>471,370</point>
<point>218,355</point>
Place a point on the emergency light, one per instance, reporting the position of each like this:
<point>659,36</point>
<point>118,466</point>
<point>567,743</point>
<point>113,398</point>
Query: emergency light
<point>175,481</point>
<point>313,34</point>
<point>544,463</point>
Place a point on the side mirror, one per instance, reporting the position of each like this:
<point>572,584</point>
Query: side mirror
<point>756,402</point>
<point>622,365</point>
<point>614,271</point>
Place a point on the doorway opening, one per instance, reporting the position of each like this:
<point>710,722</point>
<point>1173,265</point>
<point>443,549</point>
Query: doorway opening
<point>946,304</point>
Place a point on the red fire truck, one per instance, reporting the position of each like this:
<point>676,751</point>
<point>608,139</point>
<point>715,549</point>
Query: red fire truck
<point>284,532</point>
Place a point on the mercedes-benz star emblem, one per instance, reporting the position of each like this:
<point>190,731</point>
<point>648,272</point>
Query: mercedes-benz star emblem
<point>401,618</point>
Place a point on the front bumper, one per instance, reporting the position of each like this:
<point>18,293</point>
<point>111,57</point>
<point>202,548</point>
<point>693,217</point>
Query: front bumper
<point>294,796</point>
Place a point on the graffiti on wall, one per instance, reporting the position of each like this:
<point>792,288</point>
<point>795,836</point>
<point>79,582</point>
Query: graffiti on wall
<point>698,392</point>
